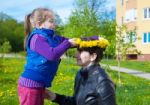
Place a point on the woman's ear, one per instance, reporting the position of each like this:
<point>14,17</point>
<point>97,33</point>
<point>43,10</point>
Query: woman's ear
<point>93,57</point>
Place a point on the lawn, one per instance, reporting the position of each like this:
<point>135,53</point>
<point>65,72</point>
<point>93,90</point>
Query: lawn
<point>137,65</point>
<point>133,90</point>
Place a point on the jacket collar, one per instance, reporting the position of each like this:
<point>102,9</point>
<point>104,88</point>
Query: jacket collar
<point>49,32</point>
<point>86,72</point>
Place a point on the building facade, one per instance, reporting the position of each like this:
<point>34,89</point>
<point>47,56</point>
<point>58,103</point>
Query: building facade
<point>135,14</point>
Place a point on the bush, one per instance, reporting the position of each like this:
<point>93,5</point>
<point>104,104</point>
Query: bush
<point>5,47</point>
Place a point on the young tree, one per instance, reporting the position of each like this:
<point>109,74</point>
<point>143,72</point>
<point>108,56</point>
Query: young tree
<point>119,46</point>
<point>124,41</point>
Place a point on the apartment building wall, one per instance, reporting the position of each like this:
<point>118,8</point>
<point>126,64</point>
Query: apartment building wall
<point>143,27</point>
<point>119,12</point>
<point>134,10</point>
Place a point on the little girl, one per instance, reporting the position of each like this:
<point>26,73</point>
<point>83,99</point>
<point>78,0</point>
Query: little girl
<point>44,50</point>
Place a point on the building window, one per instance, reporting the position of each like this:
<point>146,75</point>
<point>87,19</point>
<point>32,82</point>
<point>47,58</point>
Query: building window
<point>130,37</point>
<point>131,15</point>
<point>133,38</point>
<point>149,12</point>
<point>146,13</point>
<point>149,37</point>
<point>146,37</point>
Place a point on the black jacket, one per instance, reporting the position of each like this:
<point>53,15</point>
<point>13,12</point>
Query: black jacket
<point>92,87</point>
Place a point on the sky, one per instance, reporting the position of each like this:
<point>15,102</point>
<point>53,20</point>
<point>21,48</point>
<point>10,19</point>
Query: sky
<point>17,9</point>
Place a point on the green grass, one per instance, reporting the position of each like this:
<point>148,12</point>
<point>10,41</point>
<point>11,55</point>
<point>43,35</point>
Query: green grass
<point>137,65</point>
<point>133,90</point>
<point>9,72</point>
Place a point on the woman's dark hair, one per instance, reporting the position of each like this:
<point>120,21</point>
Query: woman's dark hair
<point>99,52</point>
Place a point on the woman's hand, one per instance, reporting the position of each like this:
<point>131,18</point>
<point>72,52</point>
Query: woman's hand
<point>49,95</point>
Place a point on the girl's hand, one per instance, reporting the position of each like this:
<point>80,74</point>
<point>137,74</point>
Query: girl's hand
<point>49,95</point>
<point>72,41</point>
<point>99,38</point>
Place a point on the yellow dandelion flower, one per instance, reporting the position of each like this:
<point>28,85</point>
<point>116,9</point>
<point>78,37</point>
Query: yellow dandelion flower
<point>77,40</point>
<point>1,94</point>
<point>102,43</point>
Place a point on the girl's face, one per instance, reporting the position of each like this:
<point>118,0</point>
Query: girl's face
<point>48,24</point>
<point>84,58</point>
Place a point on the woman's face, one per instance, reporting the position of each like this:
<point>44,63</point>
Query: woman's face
<point>83,58</point>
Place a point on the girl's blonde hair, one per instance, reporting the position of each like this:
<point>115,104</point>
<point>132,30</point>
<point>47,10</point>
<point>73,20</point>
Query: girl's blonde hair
<point>37,16</point>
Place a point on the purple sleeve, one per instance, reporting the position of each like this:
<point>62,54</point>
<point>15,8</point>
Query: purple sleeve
<point>62,38</point>
<point>41,46</point>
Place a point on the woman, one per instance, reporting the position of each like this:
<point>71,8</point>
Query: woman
<point>92,84</point>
